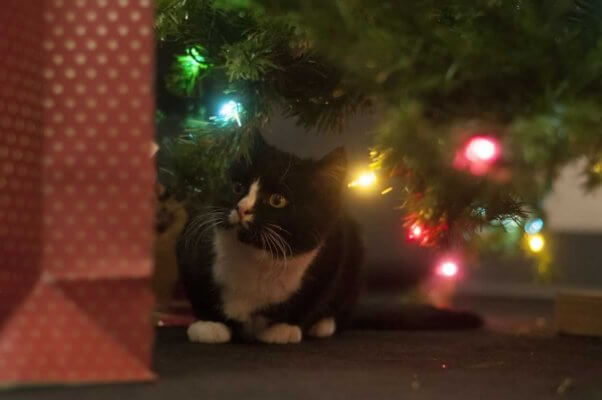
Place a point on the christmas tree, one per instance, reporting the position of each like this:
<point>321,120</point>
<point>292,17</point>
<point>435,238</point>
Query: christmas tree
<point>481,103</point>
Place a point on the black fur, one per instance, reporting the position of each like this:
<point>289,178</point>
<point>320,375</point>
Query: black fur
<point>314,217</point>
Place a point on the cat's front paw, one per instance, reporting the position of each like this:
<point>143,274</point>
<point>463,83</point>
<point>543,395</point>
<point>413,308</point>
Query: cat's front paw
<point>208,332</point>
<point>281,334</point>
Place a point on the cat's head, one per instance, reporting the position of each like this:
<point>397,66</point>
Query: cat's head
<point>281,203</point>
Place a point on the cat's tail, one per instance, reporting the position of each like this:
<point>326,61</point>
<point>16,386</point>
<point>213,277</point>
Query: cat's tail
<point>413,317</point>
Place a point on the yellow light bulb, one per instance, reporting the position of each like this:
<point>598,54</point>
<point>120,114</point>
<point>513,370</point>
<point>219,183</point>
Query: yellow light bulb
<point>364,180</point>
<point>536,243</point>
<point>367,179</point>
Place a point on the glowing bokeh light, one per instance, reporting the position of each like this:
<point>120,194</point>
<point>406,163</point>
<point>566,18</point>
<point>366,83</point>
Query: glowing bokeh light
<point>534,226</point>
<point>536,243</point>
<point>448,269</point>
<point>364,180</point>
<point>478,155</point>
<point>482,149</point>
<point>416,232</point>
<point>191,66</point>
<point>230,111</point>
<point>196,53</point>
<point>193,61</point>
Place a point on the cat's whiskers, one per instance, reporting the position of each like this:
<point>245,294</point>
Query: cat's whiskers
<point>271,238</point>
<point>275,272</point>
<point>263,245</point>
<point>268,244</point>
<point>286,248</point>
<point>281,238</point>
<point>282,245</point>
<point>194,237</point>
<point>201,223</point>
<point>278,227</point>
<point>275,244</point>
<point>278,243</point>
<point>274,255</point>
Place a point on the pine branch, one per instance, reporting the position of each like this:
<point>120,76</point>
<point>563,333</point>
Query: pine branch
<point>527,71</point>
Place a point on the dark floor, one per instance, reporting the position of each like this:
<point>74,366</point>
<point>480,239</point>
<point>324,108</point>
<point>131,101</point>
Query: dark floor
<point>516,357</point>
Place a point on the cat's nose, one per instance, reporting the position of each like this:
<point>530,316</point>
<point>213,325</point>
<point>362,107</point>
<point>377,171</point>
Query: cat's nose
<point>242,211</point>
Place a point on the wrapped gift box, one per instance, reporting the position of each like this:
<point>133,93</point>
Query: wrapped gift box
<point>76,190</point>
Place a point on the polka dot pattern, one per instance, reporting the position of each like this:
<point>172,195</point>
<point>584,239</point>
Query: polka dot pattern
<point>21,116</point>
<point>76,190</point>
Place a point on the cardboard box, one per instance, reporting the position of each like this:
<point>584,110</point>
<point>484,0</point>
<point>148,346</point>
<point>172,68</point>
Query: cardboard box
<point>579,312</point>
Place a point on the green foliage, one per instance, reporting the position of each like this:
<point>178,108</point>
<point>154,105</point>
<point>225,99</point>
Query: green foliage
<point>217,52</point>
<point>192,166</point>
<point>528,72</point>
<point>252,58</point>
<point>264,63</point>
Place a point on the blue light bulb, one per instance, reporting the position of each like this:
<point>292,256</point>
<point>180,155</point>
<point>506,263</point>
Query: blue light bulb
<point>534,226</point>
<point>230,111</point>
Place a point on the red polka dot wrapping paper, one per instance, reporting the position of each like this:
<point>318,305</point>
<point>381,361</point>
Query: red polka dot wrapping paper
<point>76,190</point>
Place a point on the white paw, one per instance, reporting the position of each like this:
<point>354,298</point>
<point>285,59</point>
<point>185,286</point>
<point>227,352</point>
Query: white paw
<point>281,334</point>
<point>208,332</point>
<point>323,328</point>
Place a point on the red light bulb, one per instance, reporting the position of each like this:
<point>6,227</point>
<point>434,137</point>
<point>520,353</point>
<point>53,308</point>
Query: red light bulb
<point>478,155</point>
<point>416,232</point>
<point>447,269</point>
<point>482,149</point>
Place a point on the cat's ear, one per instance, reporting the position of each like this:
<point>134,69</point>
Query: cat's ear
<point>333,166</point>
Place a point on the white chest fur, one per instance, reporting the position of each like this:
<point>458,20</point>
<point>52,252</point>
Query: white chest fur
<point>250,279</point>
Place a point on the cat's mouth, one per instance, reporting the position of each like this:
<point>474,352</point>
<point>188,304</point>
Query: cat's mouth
<point>237,217</point>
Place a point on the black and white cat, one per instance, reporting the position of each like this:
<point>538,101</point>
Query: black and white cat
<point>277,257</point>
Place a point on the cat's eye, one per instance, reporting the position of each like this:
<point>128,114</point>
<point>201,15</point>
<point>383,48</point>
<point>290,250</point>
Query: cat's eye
<point>238,188</point>
<point>277,200</point>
